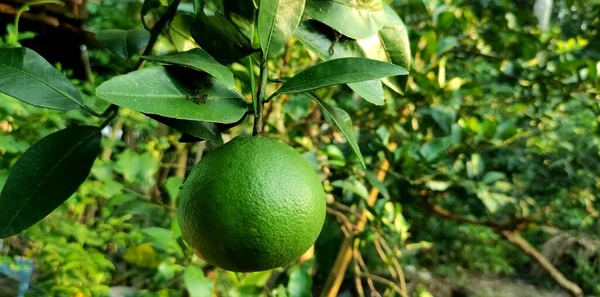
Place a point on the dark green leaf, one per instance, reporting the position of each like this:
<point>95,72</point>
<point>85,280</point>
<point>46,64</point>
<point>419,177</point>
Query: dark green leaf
<point>151,6</point>
<point>340,71</point>
<point>242,13</point>
<point>300,283</point>
<point>179,31</point>
<point>220,38</point>
<point>28,77</point>
<point>174,93</point>
<point>353,18</point>
<point>122,43</point>
<point>318,40</point>
<point>390,44</point>
<point>46,175</point>
<point>443,116</point>
<point>326,48</point>
<point>200,60</point>
<point>342,120</point>
<point>198,129</point>
<point>277,21</point>
<point>196,283</point>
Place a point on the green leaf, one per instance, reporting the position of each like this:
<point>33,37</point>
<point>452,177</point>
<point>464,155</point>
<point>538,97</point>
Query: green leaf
<point>342,120</point>
<point>432,150</point>
<point>203,130</point>
<point>353,18</point>
<point>28,77</point>
<point>46,175</point>
<point>299,283</point>
<point>390,44</point>
<point>372,178</point>
<point>196,283</point>
<point>199,60</point>
<point>179,31</point>
<point>242,13</point>
<point>443,116</point>
<point>492,176</point>
<point>174,93</point>
<point>277,21</point>
<point>122,43</point>
<point>326,48</point>
<point>493,201</point>
<point>172,186</point>
<point>220,38</point>
<point>161,239</point>
<point>257,279</point>
<point>340,71</point>
<point>138,168</point>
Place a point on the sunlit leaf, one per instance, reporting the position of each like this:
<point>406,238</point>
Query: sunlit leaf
<point>277,21</point>
<point>196,283</point>
<point>326,47</point>
<point>390,44</point>
<point>353,18</point>
<point>179,31</point>
<point>169,93</point>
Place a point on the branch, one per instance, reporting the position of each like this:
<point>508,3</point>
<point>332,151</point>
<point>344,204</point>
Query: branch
<point>157,29</point>
<point>260,96</point>
<point>516,239</point>
<point>515,224</point>
<point>511,236</point>
<point>382,280</point>
<point>437,210</point>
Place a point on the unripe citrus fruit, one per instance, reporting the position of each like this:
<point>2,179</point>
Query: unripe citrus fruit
<point>252,204</point>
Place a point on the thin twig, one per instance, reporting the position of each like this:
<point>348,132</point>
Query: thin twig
<point>343,219</point>
<point>382,280</point>
<point>397,266</point>
<point>359,288</point>
<point>362,263</point>
<point>260,96</point>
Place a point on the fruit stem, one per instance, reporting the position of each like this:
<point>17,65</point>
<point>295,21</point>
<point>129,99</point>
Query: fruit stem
<point>260,96</point>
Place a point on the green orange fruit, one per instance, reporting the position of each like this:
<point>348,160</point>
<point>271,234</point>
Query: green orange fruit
<point>252,204</point>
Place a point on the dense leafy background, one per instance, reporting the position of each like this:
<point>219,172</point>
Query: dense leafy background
<point>498,123</point>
